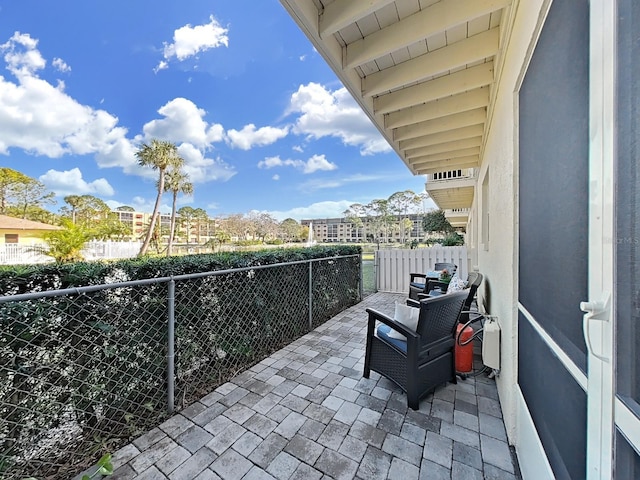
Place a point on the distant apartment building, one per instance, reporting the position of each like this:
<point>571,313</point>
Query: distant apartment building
<point>196,231</point>
<point>136,221</point>
<point>343,230</point>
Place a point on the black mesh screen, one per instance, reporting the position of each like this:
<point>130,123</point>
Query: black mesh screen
<point>557,404</point>
<point>554,173</point>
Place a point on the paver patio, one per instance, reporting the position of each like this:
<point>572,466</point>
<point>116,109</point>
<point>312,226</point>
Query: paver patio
<point>305,412</point>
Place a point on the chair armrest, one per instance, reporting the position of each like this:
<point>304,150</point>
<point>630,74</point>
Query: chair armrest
<point>417,275</point>
<point>436,284</point>
<point>414,303</point>
<point>375,315</point>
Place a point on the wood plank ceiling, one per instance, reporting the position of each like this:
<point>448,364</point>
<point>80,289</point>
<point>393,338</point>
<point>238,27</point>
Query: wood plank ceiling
<point>422,70</point>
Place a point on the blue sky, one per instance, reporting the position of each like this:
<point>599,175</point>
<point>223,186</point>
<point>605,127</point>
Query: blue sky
<point>262,122</point>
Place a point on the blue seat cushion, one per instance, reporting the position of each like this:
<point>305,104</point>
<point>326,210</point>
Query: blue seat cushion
<point>417,285</point>
<point>436,349</point>
<point>383,334</point>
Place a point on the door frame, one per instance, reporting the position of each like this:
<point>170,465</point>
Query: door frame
<point>599,318</point>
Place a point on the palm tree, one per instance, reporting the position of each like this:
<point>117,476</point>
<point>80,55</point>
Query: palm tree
<point>74,201</point>
<point>176,182</point>
<point>66,245</point>
<point>159,155</point>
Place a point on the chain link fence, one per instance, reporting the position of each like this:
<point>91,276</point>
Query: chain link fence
<point>85,370</point>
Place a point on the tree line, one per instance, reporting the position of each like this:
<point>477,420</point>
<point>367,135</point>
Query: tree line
<point>86,217</point>
<point>381,218</point>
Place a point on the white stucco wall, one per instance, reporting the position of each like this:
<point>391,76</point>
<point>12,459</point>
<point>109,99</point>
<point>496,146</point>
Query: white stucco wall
<point>498,260</point>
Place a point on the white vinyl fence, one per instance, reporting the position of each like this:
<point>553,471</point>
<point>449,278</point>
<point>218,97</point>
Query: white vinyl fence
<point>107,250</point>
<point>394,266</point>
<point>18,253</point>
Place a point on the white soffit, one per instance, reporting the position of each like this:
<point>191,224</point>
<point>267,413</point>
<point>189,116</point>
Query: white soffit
<point>422,70</point>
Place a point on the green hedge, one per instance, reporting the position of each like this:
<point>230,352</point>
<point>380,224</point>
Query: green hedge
<point>16,279</point>
<point>97,361</point>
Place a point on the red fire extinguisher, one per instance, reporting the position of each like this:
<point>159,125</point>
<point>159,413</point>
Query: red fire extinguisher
<point>464,349</point>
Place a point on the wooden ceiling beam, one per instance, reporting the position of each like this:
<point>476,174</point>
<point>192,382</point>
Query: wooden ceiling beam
<point>441,124</point>
<point>461,102</point>
<point>436,157</point>
<point>447,147</point>
<point>443,155</point>
<point>470,50</point>
<point>342,13</point>
<point>446,165</point>
<point>441,137</point>
<point>458,82</point>
<point>423,24</point>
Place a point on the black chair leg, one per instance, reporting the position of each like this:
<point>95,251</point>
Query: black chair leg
<point>413,401</point>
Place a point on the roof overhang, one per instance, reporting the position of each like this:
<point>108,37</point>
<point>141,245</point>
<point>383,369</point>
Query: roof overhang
<point>422,70</point>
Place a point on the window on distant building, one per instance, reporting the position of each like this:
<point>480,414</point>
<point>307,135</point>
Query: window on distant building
<point>10,238</point>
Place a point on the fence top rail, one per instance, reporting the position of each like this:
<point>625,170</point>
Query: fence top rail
<point>150,281</point>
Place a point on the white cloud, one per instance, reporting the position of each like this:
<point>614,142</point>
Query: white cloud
<point>276,177</point>
<point>61,65</point>
<point>42,119</point>
<point>318,162</point>
<point>326,183</point>
<point>315,163</point>
<point>325,113</point>
<point>121,153</point>
<point>249,136</point>
<point>183,122</point>
<point>113,204</point>
<point>188,41</point>
<point>201,169</point>
<point>271,162</point>
<point>142,204</point>
<point>21,55</point>
<point>297,148</point>
<point>327,209</point>
<point>161,66</point>
<point>70,182</point>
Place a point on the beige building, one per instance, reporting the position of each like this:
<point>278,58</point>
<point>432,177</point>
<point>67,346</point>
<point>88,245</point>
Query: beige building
<point>523,115</point>
<point>23,232</point>
<point>196,232</point>
<point>342,230</point>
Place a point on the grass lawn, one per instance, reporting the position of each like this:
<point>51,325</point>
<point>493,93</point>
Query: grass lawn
<point>368,280</point>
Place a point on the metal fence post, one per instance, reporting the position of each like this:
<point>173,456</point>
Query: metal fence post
<point>361,289</point>
<point>310,295</point>
<point>171,294</point>
<point>376,259</point>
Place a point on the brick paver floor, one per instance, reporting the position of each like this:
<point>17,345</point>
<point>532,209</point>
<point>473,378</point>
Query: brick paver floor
<point>307,413</point>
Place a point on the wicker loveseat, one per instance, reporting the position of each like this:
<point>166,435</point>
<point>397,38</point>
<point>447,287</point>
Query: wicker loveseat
<point>419,282</point>
<point>426,359</point>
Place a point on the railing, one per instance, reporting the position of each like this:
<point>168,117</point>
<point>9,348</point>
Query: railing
<point>85,370</point>
<point>457,211</point>
<point>394,266</point>
<point>451,175</point>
